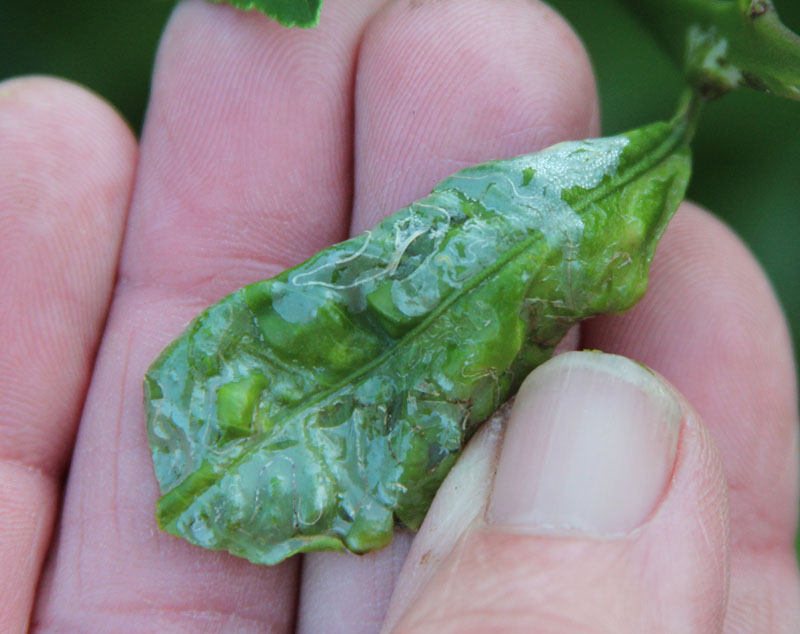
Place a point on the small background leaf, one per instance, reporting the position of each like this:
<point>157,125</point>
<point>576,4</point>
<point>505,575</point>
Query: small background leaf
<point>303,13</point>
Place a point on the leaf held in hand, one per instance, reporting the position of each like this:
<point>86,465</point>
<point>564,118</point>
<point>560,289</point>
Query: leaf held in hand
<point>313,410</point>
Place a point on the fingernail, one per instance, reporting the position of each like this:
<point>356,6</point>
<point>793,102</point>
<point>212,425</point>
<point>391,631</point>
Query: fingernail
<point>590,447</point>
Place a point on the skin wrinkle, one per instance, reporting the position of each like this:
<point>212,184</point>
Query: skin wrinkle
<point>698,453</point>
<point>73,623</point>
<point>533,580</point>
<point>26,451</point>
<point>538,591</point>
<point>24,405</point>
<point>537,135</point>
<point>722,570</point>
<point>180,29</point>
<point>29,469</point>
<point>117,437</point>
<point>25,528</point>
<point>765,592</point>
<point>201,293</point>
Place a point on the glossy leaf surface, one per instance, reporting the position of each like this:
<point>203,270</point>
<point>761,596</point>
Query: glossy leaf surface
<point>313,410</point>
<point>303,13</point>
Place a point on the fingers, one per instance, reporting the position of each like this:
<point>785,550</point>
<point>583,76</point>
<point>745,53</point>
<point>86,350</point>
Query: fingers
<point>244,170</point>
<point>66,172</point>
<point>608,513</point>
<point>442,86</point>
<point>712,326</point>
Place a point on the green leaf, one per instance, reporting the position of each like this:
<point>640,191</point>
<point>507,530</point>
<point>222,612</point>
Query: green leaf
<point>303,13</point>
<point>312,410</point>
<point>722,44</point>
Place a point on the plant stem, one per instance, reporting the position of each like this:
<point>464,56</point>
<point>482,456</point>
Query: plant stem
<point>687,115</point>
<point>722,44</point>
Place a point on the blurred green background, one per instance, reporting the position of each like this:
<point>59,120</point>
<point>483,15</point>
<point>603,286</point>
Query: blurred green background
<point>747,150</point>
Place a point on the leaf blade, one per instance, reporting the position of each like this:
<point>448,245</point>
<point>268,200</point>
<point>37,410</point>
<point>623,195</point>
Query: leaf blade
<point>482,278</point>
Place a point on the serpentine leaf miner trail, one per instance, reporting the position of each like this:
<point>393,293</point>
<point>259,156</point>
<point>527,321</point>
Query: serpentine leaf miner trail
<point>312,410</point>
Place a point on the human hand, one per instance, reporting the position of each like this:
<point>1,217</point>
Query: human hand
<point>262,146</point>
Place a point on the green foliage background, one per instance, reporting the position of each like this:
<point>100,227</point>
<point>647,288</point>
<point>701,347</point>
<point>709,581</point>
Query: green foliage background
<point>747,150</point>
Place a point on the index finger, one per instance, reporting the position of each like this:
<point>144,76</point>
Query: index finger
<point>244,169</point>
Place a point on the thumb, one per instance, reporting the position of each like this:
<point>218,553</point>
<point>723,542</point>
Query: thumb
<point>603,509</point>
